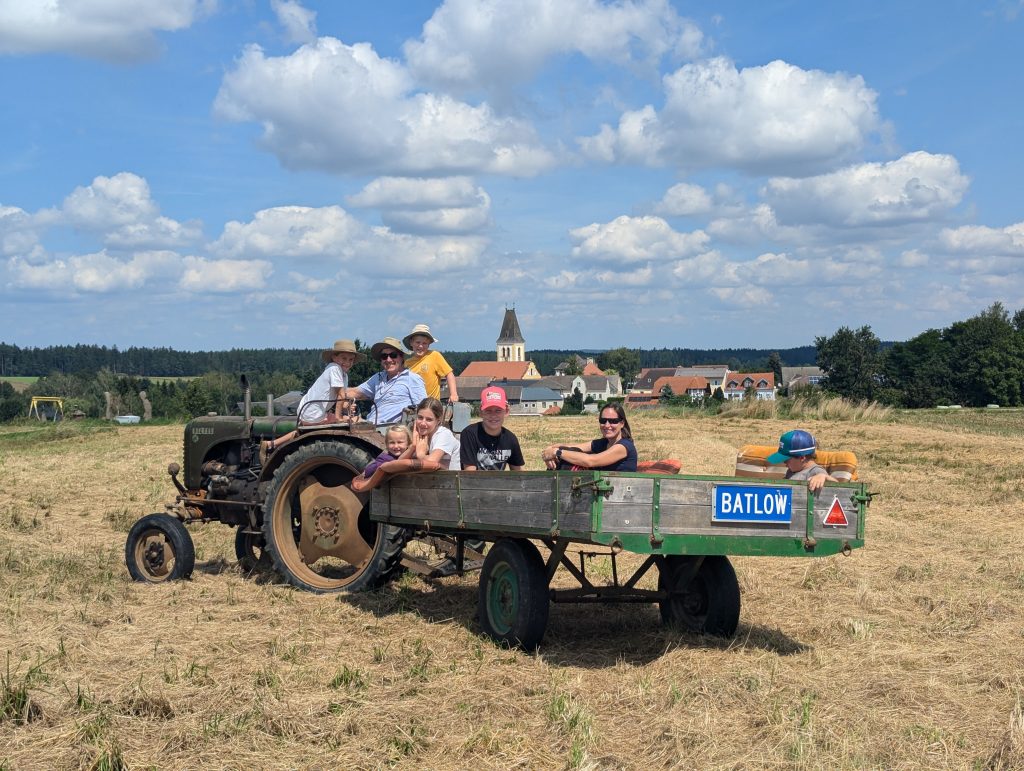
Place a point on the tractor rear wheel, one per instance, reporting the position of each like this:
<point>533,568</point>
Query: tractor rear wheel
<point>318,532</point>
<point>159,549</point>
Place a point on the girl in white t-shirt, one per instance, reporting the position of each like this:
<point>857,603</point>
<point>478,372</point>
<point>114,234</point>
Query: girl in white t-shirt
<point>433,448</point>
<point>431,440</point>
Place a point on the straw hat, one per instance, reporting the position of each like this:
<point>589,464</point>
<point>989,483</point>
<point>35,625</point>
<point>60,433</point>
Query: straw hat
<point>419,329</point>
<point>342,346</point>
<point>387,342</point>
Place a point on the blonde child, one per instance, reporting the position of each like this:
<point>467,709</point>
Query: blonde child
<point>429,365</point>
<point>320,404</point>
<point>397,438</point>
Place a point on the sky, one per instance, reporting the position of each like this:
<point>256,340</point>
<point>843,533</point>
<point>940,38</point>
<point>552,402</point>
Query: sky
<point>208,174</point>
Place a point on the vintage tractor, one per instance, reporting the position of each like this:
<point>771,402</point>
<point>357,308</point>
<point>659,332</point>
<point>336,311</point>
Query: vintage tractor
<point>292,509</point>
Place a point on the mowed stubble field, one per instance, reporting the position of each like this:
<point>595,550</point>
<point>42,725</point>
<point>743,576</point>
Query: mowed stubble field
<point>907,654</point>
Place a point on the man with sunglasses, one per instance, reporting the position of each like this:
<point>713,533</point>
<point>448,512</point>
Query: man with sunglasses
<point>393,388</point>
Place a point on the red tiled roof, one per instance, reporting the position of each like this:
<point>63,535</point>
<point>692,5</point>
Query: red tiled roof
<point>735,380</point>
<point>592,369</point>
<point>513,370</point>
<point>679,385</point>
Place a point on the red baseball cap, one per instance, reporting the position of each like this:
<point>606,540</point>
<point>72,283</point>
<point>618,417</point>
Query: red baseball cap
<point>492,396</point>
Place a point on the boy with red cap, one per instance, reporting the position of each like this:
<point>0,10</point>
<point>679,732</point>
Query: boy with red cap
<point>488,445</point>
<point>797,450</point>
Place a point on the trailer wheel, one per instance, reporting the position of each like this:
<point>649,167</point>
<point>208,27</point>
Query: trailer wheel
<point>159,549</point>
<point>705,602</point>
<point>513,599</point>
<point>251,550</point>
<point>318,532</point>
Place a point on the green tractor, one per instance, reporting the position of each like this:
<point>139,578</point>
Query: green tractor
<point>293,510</point>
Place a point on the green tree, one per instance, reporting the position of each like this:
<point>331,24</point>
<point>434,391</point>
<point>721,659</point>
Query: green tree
<point>775,365</point>
<point>851,361</point>
<point>987,359</point>
<point>573,365</point>
<point>918,373</point>
<point>573,405</point>
<point>625,361</point>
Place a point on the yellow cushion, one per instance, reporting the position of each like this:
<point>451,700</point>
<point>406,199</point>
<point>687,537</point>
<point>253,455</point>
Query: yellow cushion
<point>752,461</point>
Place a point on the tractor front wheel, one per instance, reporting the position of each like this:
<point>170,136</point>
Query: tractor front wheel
<point>159,549</point>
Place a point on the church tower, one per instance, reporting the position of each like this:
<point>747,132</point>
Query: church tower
<point>511,345</point>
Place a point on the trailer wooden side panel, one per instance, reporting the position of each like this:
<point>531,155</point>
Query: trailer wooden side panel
<point>648,513</point>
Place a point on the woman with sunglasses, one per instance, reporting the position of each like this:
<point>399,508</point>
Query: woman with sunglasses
<point>614,451</point>
<point>393,388</point>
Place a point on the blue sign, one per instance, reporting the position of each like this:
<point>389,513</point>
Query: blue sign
<point>755,504</point>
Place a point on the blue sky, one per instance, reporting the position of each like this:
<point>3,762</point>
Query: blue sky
<point>204,174</point>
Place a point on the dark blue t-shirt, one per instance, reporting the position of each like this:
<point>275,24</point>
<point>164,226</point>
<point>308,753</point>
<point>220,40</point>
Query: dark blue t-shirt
<point>626,464</point>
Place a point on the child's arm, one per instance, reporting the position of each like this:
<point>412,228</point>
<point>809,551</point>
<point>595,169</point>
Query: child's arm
<point>453,391</point>
<point>816,482</point>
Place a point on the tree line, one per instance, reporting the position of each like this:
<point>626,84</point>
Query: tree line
<point>972,363</point>
<point>143,362</point>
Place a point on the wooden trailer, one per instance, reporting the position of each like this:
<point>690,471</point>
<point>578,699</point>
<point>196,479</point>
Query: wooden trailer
<point>687,525</point>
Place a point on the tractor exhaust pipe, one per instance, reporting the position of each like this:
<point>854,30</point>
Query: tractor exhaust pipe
<point>247,397</point>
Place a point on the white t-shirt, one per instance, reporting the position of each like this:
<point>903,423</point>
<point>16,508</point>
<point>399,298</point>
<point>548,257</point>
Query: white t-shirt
<point>445,440</point>
<point>317,401</point>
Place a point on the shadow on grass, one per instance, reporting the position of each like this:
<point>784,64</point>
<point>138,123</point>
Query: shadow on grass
<point>581,635</point>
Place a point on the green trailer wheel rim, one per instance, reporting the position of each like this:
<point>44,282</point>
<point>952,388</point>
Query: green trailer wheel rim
<point>503,598</point>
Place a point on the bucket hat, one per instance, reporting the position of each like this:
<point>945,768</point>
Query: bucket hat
<point>387,342</point>
<point>419,329</point>
<point>342,346</point>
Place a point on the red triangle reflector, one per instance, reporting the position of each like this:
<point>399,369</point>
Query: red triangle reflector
<point>836,517</point>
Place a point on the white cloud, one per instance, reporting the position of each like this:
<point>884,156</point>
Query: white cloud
<point>299,23</point>
<point>912,258</point>
<point>417,193</point>
<point>742,296</point>
<point>94,273</point>
<point>413,205</point>
<point>983,241</point>
<point>343,109</point>
<point>99,29</point>
<point>121,209</point>
<point>684,200</point>
<point>330,233</point>
<point>641,277</point>
<point>17,232</point>
<point>705,269</point>
<point>224,276</point>
<point>772,118</point>
<point>917,187</point>
<point>307,284</point>
<point>471,44</point>
<point>635,239</point>
<point>291,231</point>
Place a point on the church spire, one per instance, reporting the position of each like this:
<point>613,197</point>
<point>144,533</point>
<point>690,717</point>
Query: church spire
<point>511,345</point>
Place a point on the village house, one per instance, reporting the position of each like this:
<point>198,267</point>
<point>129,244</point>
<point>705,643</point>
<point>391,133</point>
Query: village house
<point>737,384</point>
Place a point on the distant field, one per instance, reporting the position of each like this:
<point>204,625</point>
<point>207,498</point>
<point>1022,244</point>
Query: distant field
<point>904,655</point>
<point>20,384</point>
<point>169,378</point>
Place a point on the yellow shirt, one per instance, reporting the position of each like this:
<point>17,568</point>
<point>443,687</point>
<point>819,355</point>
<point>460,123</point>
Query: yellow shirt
<point>431,367</point>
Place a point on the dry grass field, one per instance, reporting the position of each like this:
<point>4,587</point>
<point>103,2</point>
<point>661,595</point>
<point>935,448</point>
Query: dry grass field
<point>906,654</point>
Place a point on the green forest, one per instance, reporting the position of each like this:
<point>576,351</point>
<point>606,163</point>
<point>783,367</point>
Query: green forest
<point>973,363</point>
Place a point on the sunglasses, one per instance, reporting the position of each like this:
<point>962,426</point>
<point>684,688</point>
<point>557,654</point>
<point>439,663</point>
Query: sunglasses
<point>391,355</point>
<point>612,421</point>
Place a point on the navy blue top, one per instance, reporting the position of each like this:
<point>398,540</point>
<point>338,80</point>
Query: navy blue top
<point>626,464</point>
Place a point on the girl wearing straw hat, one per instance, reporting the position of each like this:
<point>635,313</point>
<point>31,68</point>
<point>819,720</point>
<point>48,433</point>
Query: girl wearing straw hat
<point>320,404</point>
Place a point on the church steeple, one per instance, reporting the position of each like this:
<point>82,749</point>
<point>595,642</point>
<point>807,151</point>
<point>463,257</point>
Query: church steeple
<point>511,345</point>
